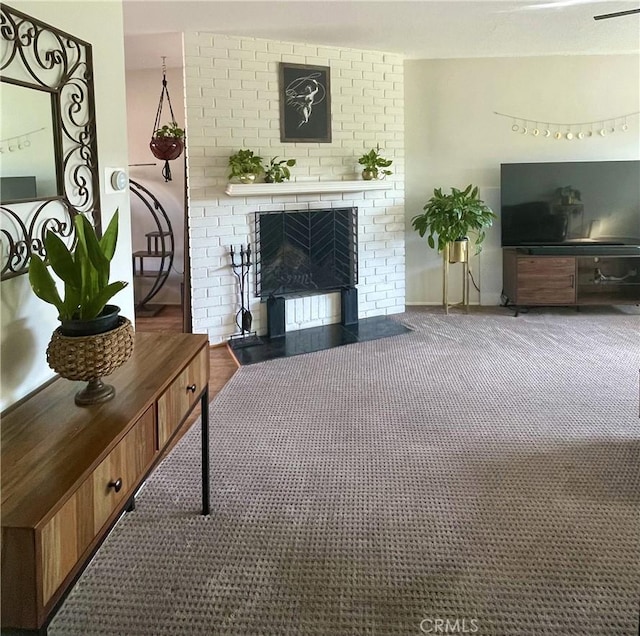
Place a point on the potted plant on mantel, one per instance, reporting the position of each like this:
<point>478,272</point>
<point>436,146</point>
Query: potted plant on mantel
<point>375,165</point>
<point>453,218</point>
<point>245,166</point>
<point>278,171</point>
<point>93,340</point>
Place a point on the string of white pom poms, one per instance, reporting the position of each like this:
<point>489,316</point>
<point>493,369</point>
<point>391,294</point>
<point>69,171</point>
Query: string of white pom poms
<point>568,130</point>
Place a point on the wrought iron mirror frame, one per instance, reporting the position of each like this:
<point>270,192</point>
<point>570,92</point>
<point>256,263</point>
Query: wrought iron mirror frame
<point>62,65</point>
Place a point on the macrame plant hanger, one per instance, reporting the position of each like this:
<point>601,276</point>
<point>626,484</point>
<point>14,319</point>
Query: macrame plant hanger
<point>165,147</point>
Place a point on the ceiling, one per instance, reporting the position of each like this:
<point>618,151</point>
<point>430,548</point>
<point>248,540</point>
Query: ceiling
<point>420,29</point>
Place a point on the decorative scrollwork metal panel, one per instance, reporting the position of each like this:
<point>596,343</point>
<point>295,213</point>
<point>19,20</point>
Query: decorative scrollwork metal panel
<point>49,170</point>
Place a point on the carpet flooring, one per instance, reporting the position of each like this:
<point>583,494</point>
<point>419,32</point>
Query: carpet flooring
<point>480,474</point>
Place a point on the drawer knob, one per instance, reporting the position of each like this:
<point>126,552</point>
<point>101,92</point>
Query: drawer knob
<point>116,485</point>
<point>192,388</point>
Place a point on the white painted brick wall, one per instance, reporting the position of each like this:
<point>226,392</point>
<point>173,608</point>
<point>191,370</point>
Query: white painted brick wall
<point>231,89</point>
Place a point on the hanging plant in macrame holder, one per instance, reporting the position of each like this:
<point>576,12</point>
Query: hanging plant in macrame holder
<point>167,141</point>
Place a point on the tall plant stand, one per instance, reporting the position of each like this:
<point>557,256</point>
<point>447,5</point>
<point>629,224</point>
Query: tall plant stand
<point>458,254</point>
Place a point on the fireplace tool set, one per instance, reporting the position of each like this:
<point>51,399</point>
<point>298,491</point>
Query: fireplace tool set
<point>246,337</point>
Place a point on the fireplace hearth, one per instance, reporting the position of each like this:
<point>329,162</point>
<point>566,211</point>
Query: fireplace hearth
<point>319,339</point>
<point>303,252</point>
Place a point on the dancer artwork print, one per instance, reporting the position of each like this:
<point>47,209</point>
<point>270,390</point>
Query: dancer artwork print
<point>305,103</point>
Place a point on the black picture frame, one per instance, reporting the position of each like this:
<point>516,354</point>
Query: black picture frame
<point>305,103</point>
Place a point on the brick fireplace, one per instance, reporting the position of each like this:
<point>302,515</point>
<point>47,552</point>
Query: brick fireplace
<point>231,103</point>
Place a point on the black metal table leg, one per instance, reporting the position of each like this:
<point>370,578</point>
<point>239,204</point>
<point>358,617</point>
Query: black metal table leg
<point>204,417</point>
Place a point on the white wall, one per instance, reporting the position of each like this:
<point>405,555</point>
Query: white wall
<point>26,124</point>
<point>143,95</point>
<point>453,138</point>
<point>27,322</point>
<point>232,103</point>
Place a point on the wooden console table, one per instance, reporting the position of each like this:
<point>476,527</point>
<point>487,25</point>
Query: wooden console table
<point>69,472</point>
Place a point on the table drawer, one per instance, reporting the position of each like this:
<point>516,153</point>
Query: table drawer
<point>179,398</point>
<point>545,266</point>
<point>126,463</point>
<point>72,529</point>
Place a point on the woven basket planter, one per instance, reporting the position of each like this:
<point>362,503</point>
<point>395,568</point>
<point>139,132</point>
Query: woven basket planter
<point>90,358</point>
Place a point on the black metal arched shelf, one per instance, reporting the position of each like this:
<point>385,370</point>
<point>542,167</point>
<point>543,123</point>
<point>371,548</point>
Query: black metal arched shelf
<point>160,246</point>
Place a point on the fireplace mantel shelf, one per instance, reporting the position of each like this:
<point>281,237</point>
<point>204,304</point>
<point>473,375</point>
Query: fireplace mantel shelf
<point>303,187</point>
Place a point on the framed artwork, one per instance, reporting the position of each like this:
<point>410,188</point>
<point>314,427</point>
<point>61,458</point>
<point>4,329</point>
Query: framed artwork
<point>305,103</point>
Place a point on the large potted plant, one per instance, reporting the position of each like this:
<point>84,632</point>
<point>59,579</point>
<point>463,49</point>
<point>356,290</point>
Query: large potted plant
<point>93,339</point>
<point>245,166</point>
<point>454,218</point>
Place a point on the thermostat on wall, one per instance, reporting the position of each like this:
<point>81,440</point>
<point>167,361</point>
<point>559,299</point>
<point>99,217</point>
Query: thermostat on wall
<point>116,180</point>
<point>119,180</point>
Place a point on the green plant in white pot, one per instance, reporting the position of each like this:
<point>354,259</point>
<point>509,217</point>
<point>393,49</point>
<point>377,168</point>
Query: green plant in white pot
<point>92,340</point>
<point>454,217</point>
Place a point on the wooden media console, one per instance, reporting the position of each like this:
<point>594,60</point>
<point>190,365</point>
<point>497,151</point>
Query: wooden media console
<point>564,276</point>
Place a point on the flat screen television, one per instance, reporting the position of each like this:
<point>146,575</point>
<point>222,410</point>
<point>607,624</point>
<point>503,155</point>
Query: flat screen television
<point>570,203</point>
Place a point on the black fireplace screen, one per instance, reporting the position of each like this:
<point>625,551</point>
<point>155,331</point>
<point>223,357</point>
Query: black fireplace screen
<point>306,252</point>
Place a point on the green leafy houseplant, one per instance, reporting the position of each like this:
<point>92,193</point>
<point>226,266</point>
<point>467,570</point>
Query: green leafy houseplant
<point>245,165</point>
<point>84,271</point>
<point>453,217</point>
<point>167,144</point>
<point>170,130</point>
<point>374,164</point>
<point>278,171</point>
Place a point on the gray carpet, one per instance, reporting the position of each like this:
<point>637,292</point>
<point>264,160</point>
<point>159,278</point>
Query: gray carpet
<point>483,468</point>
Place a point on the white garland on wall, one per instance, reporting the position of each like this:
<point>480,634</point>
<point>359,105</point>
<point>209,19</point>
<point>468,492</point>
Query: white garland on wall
<point>568,130</point>
<point>18,142</point>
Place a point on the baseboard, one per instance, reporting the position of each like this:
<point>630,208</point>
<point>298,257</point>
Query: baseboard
<point>425,304</point>
<point>471,304</point>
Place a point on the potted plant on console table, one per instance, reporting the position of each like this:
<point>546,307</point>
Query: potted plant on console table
<point>93,340</point>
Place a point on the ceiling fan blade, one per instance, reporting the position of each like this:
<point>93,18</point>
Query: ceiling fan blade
<point>617,14</point>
